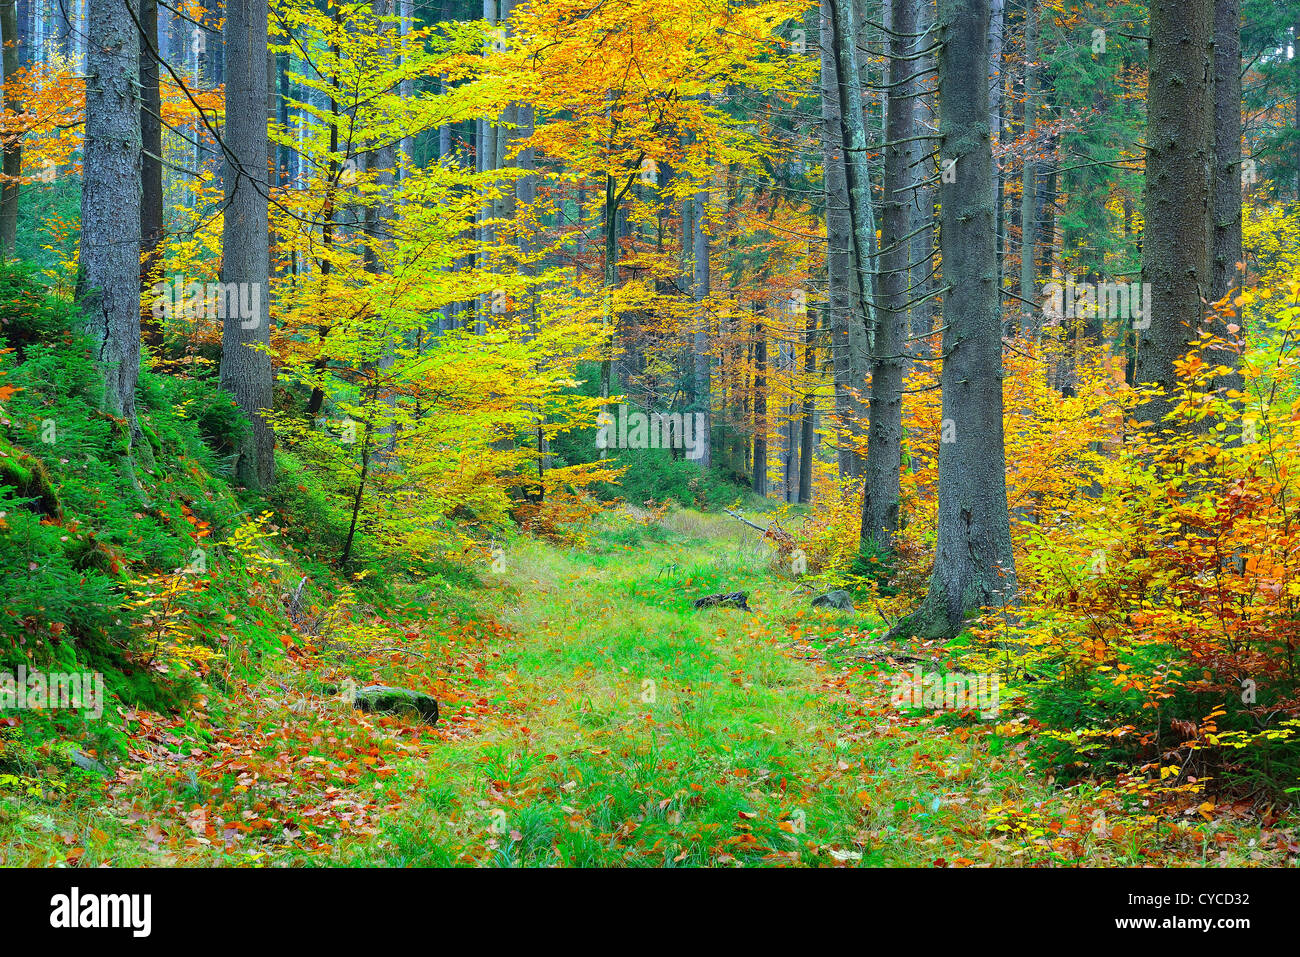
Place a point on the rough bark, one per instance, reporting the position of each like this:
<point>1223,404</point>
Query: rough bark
<point>839,252</point>
<point>844,33</point>
<point>1179,172</point>
<point>1029,174</point>
<point>923,168</point>
<point>245,236</point>
<point>974,565</point>
<point>997,33</point>
<point>760,402</point>
<point>1227,256</point>
<point>151,203</point>
<point>701,348</point>
<point>109,280</point>
<point>13,146</point>
<point>881,490</point>
<point>1227,148</point>
<point>486,162</point>
<point>808,433</point>
<point>924,263</point>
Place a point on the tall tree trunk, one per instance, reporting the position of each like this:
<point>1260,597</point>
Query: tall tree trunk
<point>974,565</point>
<point>1029,175</point>
<point>856,168</point>
<point>610,227</point>
<point>1179,170</point>
<point>840,319</point>
<point>486,160</point>
<point>997,34</point>
<point>1226,262</point>
<point>1295,66</point>
<point>808,433</point>
<point>790,490</point>
<point>1227,148</point>
<point>245,237</point>
<point>109,280</point>
<point>406,89</point>
<point>760,401</point>
<point>316,401</point>
<point>881,491</point>
<point>380,160</point>
<point>701,349</point>
<point>151,205</point>
<point>13,145</point>
<point>921,163</point>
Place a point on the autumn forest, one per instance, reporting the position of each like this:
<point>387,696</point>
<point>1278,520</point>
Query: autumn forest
<point>613,433</point>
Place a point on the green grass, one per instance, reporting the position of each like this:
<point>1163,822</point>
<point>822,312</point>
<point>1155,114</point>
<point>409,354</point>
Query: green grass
<point>593,718</point>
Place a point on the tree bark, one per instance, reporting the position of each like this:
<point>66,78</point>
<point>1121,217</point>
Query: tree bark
<point>1029,174</point>
<point>857,171</point>
<point>1179,170</point>
<point>839,257</point>
<point>1227,148</point>
<point>1227,255</point>
<point>13,146</point>
<point>151,205</point>
<point>808,433</point>
<point>760,401</point>
<point>997,34</point>
<point>109,280</point>
<point>701,349</point>
<point>245,237</point>
<point>881,490</point>
<point>974,565</point>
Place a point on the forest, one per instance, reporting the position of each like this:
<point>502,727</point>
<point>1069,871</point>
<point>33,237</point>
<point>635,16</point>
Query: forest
<point>674,434</point>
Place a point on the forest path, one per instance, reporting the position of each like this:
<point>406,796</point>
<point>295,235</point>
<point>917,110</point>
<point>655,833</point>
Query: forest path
<point>642,732</point>
<point>592,717</point>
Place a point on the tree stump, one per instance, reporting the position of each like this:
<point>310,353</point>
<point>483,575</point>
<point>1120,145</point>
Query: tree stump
<point>732,599</point>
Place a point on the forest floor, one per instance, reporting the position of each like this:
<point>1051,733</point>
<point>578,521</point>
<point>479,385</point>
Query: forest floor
<point>591,717</point>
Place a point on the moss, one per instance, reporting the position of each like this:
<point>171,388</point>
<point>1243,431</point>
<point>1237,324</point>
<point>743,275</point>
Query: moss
<point>152,437</point>
<point>929,620</point>
<point>30,477</point>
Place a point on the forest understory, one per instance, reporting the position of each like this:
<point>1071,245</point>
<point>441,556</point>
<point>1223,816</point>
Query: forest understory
<point>591,717</point>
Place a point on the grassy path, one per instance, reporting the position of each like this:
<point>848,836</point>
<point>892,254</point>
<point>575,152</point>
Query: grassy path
<point>643,732</point>
<point>592,717</point>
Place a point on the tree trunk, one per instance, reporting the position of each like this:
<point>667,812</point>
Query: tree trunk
<point>1226,265</point>
<point>245,237</point>
<point>151,204</point>
<point>856,168</point>
<point>13,145</point>
<point>881,491</point>
<point>1180,146</point>
<point>703,372</point>
<point>486,160</point>
<point>808,433</point>
<point>839,256</point>
<point>974,565</point>
<point>109,281</point>
<point>997,33</point>
<point>923,167</point>
<point>1029,175</point>
<point>1227,148</point>
<point>760,401</point>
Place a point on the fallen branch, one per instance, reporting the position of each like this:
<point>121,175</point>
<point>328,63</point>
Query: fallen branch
<point>740,518</point>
